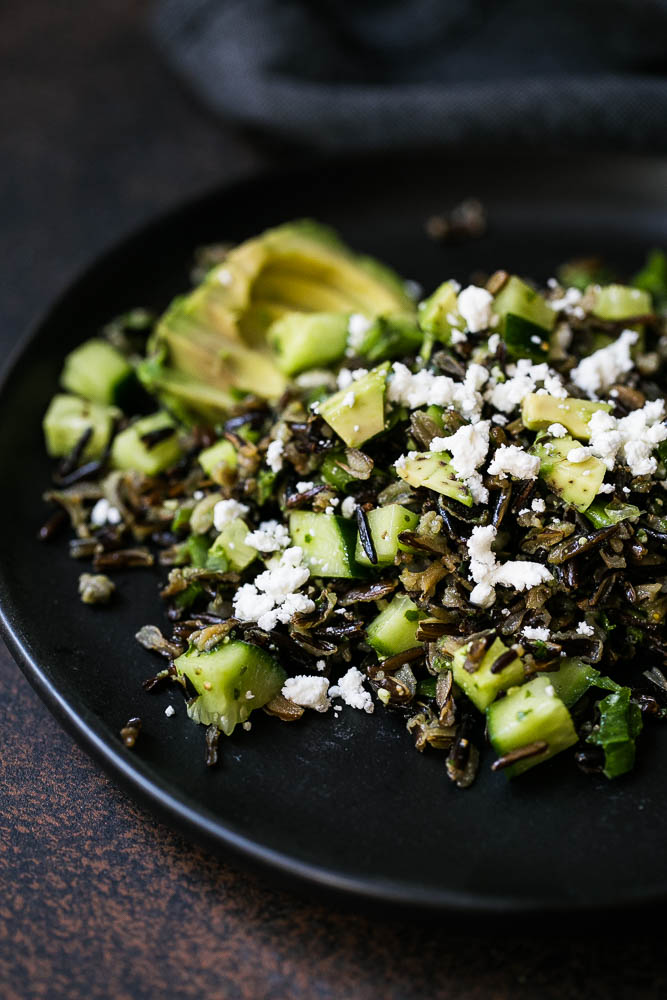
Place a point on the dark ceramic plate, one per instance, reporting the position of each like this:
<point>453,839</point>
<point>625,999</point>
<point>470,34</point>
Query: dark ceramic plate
<point>342,803</point>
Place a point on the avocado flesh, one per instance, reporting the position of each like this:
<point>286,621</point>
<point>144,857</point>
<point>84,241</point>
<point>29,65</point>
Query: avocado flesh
<point>357,412</point>
<point>577,483</point>
<point>538,412</point>
<point>434,471</point>
<point>215,337</point>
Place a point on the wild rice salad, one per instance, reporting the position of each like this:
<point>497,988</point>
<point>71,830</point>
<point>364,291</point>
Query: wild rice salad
<point>452,510</point>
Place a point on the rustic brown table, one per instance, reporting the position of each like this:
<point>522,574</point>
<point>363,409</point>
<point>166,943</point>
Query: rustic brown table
<point>97,898</point>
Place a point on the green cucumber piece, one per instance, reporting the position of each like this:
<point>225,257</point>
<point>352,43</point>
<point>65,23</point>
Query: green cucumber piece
<point>439,314</point>
<point>603,513</point>
<point>577,483</point>
<point>357,413</point>
<point>516,298</point>
<point>524,339</point>
<point>527,714</point>
<point>538,412</point>
<point>222,453</point>
<point>433,470</point>
<point>99,372</point>
<point>307,340</point>
<point>231,544</point>
<point>616,302</point>
<point>390,337</point>
<point>573,679</point>
<point>333,473</point>
<point>67,419</point>
<point>620,724</point>
<point>395,628</point>
<point>223,679</point>
<point>482,686</point>
<point>327,542</point>
<point>385,525</point>
<point>131,451</point>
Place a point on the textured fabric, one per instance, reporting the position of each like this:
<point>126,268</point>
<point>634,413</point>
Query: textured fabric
<point>385,73</point>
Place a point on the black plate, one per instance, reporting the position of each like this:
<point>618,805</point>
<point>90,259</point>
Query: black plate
<point>344,803</point>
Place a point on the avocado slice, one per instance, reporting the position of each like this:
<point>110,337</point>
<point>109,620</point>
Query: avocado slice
<point>357,412</point>
<point>616,302</point>
<point>577,482</point>
<point>540,411</point>
<point>434,470</point>
<point>439,314</point>
<point>211,345</point>
<point>307,340</point>
<point>516,298</point>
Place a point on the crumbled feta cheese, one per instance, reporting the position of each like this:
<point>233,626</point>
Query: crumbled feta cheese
<point>474,305</point>
<point>345,377</point>
<point>274,455</point>
<point>457,337</point>
<point>541,634</point>
<point>634,436</point>
<point>606,488</point>
<point>538,505</point>
<point>487,573</point>
<point>597,372</point>
<point>271,598</point>
<point>358,326</point>
<point>583,628</point>
<point>568,301</point>
<point>513,461</point>
<point>578,455</point>
<point>499,419</point>
<point>104,513</point>
<point>468,448</point>
<point>320,665</point>
<point>226,511</point>
<point>303,487</point>
<point>307,691</point>
<point>494,341</point>
<point>426,389</point>
<point>169,711</point>
<point>348,507</point>
<point>349,399</point>
<point>269,537</point>
<point>351,689</point>
<point>523,379</point>
<point>557,430</point>
<point>550,690</point>
<point>315,378</point>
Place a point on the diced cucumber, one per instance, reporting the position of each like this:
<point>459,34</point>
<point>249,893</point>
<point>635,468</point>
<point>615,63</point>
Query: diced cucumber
<point>231,543</point>
<point>603,513</point>
<point>66,420</point>
<point>434,470</point>
<point>307,340</point>
<point>395,628</point>
<point>577,483</point>
<point>390,337</point>
<point>482,686</point>
<point>357,413</point>
<point>527,714</point>
<point>97,371</point>
<point>385,524</point>
<point>133,448</point>
<point>333,473</point>
<point>222,453</point>
<point>439,314</point>
<point>231,680</point>
<point>524,339</point>
<point>615,302</point>
<point>575,677</point>
<point>327,541</point>
<point>540,411</point>
<point>519,299</point>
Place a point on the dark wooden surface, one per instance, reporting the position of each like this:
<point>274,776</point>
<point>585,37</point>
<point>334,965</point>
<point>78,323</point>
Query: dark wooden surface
<point>97,898</point>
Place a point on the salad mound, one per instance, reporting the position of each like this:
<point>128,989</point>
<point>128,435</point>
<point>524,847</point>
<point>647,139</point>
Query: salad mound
<point>451,509</point>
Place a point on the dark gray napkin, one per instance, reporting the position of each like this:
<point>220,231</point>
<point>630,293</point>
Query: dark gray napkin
<point>448,72</point>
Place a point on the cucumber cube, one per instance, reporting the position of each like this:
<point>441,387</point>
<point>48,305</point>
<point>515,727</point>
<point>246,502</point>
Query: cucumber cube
<point>614,302</point>
<point>395,628</point>
<point>222,453</point>
<point>97,371</point>
<point>483,685</point>
<point>133,448</point>
<point>230,543</point>
<point>327,542</point>
<point>519,299</point>
<point>66,420</point>
<point>385,524</point>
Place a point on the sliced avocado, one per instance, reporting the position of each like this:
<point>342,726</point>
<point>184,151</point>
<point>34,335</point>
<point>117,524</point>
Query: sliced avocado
<point>540,411</point>
<point>482,684</point>
<point>519,299</point>
<point>149,445</point>
<point>434,471</point>
<point>616,302</point>
<point>385,525</point>
<point>307,340</point>
<point>211,344</point>
<point>577,483</point>
<point>231,544</point>
<point>69,417</point>
<point>357,413</point>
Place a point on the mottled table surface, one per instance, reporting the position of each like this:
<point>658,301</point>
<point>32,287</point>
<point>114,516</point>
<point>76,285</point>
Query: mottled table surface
<point>97,898</point>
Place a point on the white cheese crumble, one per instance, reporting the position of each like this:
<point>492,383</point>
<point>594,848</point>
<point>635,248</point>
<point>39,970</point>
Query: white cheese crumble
<point>487,573</point>
<point>104,513</point>
<point>538,505</point>
<point>358,326</point>
<point>468,448</point>
<point>425,389</point>
<point>606,488</point>
<point>320,665</point>
<point>541,634</point>
<point>494,341</point>
<point>413,289</point>
<point>169,711</point>
<point>583,628</point>
<point>550,690</point>
<point>523,379</point>
<point>474,304</point>
<point>345,377</point>
<point>272,597</point>
<point>509,460</point>
<point>348,507</point>
<point>274,455</point>
<point>571,298</point>
<point>225,277</point>
<point>557,430</point>
<point>303,487</point>
<point>315,378</point>
<point>226,511</point>
<point>307,691</point>
<point>634,437</point>
<point>349,399</point>
<point>271,536</point>
<point>351,689</point>
<point>597,372</point>
<point>578,455</point>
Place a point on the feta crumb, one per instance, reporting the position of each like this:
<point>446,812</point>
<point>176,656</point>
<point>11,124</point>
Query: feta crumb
<point>550,690</point>
<point>348,507</point>
<point>271,536</point>
<point>538,505</point>
<point>557,430</point>
<point>514,461</point>
<point>198,495</point>
<point>634,437</point>
<point>578,455</point>
<point>567,302</point>
<point>600,370</point>
<point>487,573</point>
<point>349,399</point>
<point>606,488</point>
<point>272,597</point>
<point>457,337</point>
<point>274,455</point>
<point>316,378</point>
<point>539,633</point>
<point>307,691</point>
<point>425,389</point>
<point>226,511</point>
<point>346,377</point>
<point>169,711</point>
<point>499,419</point>
<point>583,628</point>
<point>494,341</point>
<point>303,487</point>
<point>358,326</point>
<point>474,305</point>
<point>468,448</point>
<point>249,696</point>
<point>523,379</point>
<point>104,513</point>
<point>320,665</point>
<point>351,689</point>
